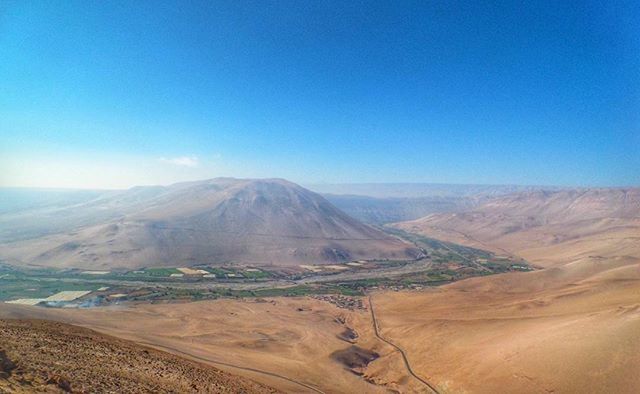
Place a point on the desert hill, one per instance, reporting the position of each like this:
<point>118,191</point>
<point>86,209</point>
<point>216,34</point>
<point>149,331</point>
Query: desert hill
<point>267,222</point>
<point>52,357</point>
<point>573,326</point>
<point>418,190</point>
<point>548,227</point>
<point>380,211</point>
<point>382,203</point>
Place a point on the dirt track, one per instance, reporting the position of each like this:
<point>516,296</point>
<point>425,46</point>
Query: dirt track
<point>402,352</point>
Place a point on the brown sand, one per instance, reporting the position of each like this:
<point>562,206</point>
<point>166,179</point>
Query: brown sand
<point>573,327</point>
<point>296,338</point>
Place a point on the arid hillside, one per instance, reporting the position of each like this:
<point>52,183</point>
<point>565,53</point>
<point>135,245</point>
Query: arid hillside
<point>380,211</point>
<point>546,227</point>
<point>573,326</point>
<point>44,356</point>
<point>382,203</point>
<point>264,222</point>
<point>297,345</point>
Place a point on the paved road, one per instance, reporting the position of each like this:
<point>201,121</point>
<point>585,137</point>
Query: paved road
<point>402,352</point>
<point>212,361</point>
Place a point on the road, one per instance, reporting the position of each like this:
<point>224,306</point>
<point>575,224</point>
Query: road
<point>212,361</point>
<point>302,384</point>
<point>402,352</point>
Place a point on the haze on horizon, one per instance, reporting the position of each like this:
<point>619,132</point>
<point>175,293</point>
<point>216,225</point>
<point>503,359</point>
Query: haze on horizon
<point>112,95</point>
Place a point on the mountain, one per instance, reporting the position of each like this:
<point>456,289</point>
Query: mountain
<point>379,210</point>
<point>382,203</point>
<point>223,220</point>
<point>413,190</point>
<point>549,227</point>
<point>30,213</point>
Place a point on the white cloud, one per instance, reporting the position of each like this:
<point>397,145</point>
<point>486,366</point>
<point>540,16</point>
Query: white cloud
<point>95,170</point>
<point>185,161</point>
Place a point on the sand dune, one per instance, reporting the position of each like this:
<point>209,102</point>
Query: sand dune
<point>553,331</point>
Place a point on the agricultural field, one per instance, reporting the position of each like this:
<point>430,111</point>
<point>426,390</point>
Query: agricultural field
<point>12,287</point>
<point>441,263</point>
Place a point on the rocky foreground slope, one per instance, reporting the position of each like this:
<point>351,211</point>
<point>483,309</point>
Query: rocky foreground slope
<point>44,356</point>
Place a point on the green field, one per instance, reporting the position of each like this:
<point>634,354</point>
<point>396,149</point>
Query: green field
<point>160,271</point>
<point>446,263</point>
<point>11,289</point>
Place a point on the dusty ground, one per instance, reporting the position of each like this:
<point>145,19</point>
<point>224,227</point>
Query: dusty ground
<point>44,356</point>
<point>300,339</point>
<point>573,327</point>
<point>483,335</point>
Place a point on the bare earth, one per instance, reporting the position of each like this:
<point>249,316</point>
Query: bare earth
<point>573,326</point>
<point>546,228</point>
<point>44,356</point>
<point>292,344</point>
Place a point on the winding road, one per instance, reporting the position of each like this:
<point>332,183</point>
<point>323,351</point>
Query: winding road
<point>299,383</point>
<point>402,352</point>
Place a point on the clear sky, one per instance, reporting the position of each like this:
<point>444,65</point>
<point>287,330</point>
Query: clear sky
<point>113,94</point>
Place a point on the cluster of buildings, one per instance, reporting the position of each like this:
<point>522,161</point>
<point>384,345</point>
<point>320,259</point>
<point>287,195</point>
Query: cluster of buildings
<point>341,301</point>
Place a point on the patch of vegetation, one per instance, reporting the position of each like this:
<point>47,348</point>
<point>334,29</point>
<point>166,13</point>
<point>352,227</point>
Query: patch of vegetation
<point>219,272</point>
<point>160,271</point>
<point>256,274</point>
<point>12,288</point>
<point>440,252</point>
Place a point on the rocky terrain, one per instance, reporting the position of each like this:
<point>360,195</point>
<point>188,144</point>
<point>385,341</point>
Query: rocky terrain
<point>573,325</point>
<point>43,356</point>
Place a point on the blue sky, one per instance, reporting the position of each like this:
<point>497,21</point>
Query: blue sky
<point>114,94</point>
